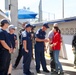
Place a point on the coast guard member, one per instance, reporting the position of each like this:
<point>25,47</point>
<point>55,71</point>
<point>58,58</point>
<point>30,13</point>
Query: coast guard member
<point>39,48</point>
<point>5,48</point>
<point>27,49</point>
<point>13,40</point>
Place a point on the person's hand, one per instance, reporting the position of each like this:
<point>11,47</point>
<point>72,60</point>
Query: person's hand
<point>50,42</point>
<point>46,40</point>
<point>51,45</point>
<point>14,50</point>
<point>26,51</point>
<point>73,48</point>
<point>10,50</point>
<point>54,44</point>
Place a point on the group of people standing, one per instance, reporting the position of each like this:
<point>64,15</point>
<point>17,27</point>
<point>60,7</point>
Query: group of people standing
<point>54,40</point>
<point>8,43</point>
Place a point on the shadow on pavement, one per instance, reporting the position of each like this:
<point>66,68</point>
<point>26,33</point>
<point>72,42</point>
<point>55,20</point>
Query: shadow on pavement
<point>70,73</point>
<point>67,64</point>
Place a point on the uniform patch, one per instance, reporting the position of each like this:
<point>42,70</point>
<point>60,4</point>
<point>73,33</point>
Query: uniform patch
<point>38,31</point>
<point>0,30</point>
<point>24,34</point>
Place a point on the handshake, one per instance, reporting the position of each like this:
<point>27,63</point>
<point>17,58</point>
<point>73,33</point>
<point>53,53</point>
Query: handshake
<point>46,40</point>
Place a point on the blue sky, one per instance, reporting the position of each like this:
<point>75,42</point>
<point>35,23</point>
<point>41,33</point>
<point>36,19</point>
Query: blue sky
<point>50,7</point>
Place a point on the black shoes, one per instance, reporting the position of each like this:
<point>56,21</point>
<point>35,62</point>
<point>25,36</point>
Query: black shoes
<point>58,73</point>
<point>38,71</point>
<point>47,71</point>
<point>62,73</point>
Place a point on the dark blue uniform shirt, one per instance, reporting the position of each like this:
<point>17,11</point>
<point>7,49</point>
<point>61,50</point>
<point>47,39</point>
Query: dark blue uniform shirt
<point>41,35</point>
<point>4,36</point>
<point>27,36</point>
<point>13,38</point>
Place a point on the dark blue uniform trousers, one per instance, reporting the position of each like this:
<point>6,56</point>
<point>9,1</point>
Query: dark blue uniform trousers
<point>19,56</point>
<point>4,62</point>
<point>26,62</point>
<point>40,58</point>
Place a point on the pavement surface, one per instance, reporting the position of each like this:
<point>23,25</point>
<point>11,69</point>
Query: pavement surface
<point>66,64</point>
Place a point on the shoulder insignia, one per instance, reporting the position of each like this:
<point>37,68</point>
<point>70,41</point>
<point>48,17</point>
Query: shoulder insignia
<point>24,34</point>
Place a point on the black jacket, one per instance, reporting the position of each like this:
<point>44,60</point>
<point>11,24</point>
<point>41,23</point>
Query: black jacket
<point>74,41</point>
<point>20,39</point>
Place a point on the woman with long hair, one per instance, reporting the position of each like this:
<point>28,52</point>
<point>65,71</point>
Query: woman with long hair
<point>56,46</point>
